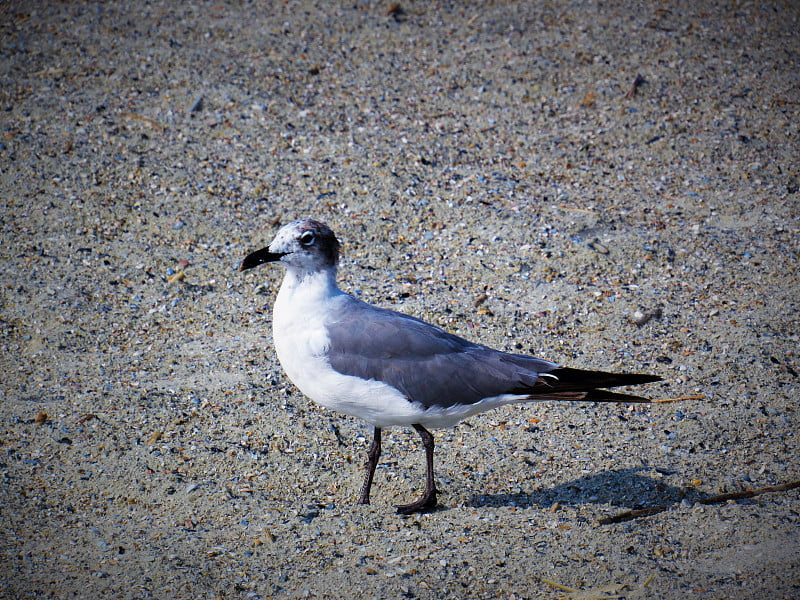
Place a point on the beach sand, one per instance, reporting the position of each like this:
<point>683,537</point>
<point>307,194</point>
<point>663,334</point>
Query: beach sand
<point>607,185</point>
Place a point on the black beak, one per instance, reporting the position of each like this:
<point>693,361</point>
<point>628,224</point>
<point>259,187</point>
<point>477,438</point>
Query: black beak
<point>260,257</point>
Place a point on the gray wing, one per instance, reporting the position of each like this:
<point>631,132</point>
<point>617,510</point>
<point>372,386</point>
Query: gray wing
<point>424,362</point>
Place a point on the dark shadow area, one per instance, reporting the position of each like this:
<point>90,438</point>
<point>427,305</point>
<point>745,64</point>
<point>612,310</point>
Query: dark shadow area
<point>625,488</point>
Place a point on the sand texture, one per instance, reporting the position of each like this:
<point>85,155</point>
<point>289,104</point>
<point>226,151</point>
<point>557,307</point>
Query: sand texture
<point>609,185</point>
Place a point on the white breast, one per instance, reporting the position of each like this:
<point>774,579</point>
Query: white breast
<point>301,342</point>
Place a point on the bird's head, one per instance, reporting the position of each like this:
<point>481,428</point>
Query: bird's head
<point>305,244</point>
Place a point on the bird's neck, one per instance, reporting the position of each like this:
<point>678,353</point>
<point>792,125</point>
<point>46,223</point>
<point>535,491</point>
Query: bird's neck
<point>302,287</point>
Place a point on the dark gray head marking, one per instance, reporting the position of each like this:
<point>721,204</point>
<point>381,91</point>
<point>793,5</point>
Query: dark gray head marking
<point>314,234</point>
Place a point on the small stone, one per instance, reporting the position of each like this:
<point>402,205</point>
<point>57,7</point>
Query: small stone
<point>640,318</point>
<point>597,246</point>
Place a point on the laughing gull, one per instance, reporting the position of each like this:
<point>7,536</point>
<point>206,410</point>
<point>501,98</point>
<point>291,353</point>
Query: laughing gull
<point>388,368</point>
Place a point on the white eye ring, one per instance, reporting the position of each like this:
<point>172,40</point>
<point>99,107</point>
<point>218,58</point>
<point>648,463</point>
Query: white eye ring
<point>307,239</point>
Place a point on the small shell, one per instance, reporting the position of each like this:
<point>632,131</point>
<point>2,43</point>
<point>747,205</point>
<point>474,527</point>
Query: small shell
<point>597,246</point>
<point>640,318</point>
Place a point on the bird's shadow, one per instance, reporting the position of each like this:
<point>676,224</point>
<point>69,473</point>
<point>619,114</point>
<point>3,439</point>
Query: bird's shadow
<point>623,487</point>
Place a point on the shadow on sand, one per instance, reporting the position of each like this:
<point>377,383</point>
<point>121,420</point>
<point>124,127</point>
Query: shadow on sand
<point>625,488</point>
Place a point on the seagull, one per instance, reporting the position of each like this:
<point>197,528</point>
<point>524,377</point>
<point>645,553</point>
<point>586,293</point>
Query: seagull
<point>391,369</point>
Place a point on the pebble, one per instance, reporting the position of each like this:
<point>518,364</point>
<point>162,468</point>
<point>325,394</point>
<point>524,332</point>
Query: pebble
<point>640,318</point>
<point>596,245</point>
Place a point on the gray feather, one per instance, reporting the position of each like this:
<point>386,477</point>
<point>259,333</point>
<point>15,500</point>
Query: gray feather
<point>426,363</point>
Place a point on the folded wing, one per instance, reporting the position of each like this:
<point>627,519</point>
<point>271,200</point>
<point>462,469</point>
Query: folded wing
<point>436,368</point>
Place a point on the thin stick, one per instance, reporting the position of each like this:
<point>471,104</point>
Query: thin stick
<point>749,493</point>
<point>559,586</point>
<point>681,399</point>
<point>576,209</point>
<point>637,83</point>
<point>152,122</point>
<point>629,515</point>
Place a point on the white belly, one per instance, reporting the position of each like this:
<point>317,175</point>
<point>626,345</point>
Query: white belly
<point>302,342</point>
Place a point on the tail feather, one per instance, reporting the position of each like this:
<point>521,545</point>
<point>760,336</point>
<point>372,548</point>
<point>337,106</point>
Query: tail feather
<point>606,396</point>
<point>590,396</point>
<point>565,383</point>
<point>580,380</point>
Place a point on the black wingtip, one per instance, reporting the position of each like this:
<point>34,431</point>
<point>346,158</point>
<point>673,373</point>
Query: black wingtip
<point>584,380</point>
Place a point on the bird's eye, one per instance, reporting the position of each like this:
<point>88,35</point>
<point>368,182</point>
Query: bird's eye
<point>307,239</point>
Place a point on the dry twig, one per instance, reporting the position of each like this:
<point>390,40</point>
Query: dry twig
<point>681,399</point>
<point>629,515</point>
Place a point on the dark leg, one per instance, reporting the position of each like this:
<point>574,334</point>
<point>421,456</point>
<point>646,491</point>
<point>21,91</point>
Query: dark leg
<point>372,461</point>
<point>428,501</point>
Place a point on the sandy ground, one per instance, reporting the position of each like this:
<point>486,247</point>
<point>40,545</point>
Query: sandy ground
<point>538,176</point>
